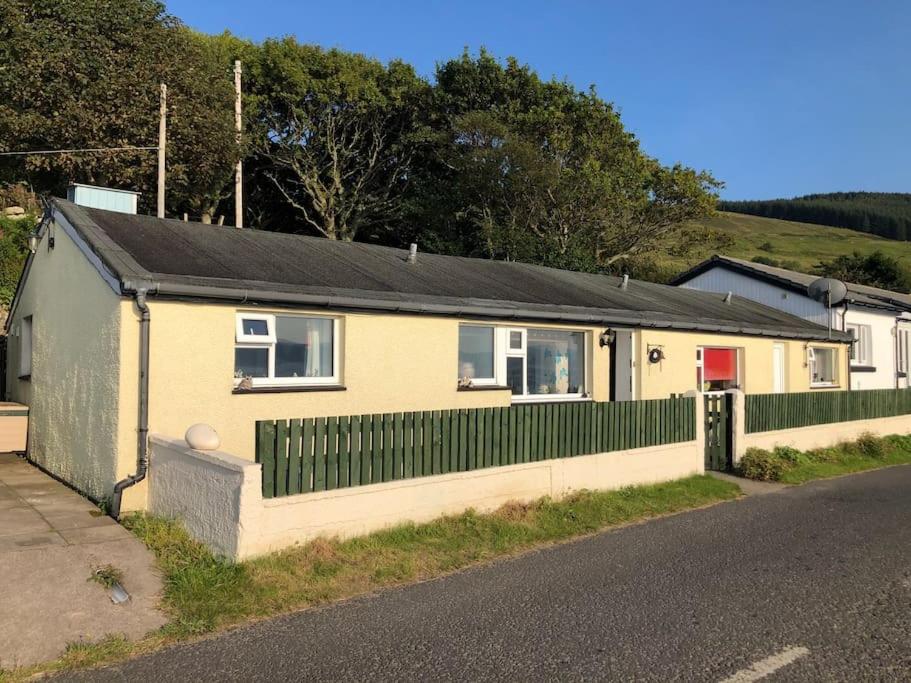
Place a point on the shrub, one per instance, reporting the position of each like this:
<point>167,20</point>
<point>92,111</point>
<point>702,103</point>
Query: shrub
<point>789,455</point>
<point>870,445</point>
<point>761,465</point>
<point>767,246</point>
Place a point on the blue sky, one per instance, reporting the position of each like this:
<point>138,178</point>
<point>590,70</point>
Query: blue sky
<point>775,98</point>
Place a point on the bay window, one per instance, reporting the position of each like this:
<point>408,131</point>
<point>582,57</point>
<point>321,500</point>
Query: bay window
<point>823,365</point>
<point>535,364</point>
<point>276,350</point>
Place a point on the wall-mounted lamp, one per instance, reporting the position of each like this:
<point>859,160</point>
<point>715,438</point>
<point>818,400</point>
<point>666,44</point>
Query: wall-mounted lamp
<point>606,338</point>
<point>655,355</point>
<point>33,242</point>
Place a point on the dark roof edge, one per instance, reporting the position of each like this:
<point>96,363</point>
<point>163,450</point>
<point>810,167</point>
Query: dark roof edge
<point>334,302</point>
<point>721,262</point>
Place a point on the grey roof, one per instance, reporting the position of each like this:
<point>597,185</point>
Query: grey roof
<point>859,295</point>
<point>182,259</point>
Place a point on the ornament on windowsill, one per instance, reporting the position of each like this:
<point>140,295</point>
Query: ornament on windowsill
<point>464,382</point>
<point>246,383</point>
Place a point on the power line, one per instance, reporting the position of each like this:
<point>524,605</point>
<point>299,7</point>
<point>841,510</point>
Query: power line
<point>84,149</point>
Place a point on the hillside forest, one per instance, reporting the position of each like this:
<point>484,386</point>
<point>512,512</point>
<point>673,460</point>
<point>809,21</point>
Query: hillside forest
<point>887,214</point>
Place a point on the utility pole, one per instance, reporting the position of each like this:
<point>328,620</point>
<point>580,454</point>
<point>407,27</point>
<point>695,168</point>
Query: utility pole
<point>239,171</point>
<point>162,141</point>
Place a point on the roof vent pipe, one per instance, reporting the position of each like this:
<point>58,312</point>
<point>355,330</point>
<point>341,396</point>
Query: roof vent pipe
<point>413,253</point>
<point>728,297</point>
<point>624,283</point>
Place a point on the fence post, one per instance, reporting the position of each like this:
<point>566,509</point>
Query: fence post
<point>699,416</point>
<point>738,424</point>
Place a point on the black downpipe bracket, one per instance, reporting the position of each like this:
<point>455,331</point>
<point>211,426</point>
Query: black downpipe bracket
<point>142,465</point>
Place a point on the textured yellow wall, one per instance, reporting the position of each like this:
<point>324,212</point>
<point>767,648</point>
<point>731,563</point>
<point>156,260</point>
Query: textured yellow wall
<point>390,363</point>
<point>677,372</point>
<point>73,392</point>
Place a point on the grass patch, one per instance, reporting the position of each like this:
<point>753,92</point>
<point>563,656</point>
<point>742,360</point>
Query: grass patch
<point>791,466</point>
<point>204,594</point>
<point>107,576</point>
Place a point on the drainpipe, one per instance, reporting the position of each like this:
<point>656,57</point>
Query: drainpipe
<point>142,465</point>
<point>844,328</point>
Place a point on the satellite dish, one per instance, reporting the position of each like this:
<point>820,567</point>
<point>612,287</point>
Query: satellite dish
<point>828,291</point>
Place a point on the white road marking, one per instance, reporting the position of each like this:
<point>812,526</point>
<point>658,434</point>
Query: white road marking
<point>769,665</point>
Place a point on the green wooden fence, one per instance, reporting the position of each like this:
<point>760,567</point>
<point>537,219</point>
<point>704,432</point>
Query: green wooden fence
<point>322,454</point>
<point>768,412</point>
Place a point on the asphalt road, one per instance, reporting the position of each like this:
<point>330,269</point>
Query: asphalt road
<point>815,580</point>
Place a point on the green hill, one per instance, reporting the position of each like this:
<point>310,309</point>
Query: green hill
<point>887,214</point>
<point>798,246</point>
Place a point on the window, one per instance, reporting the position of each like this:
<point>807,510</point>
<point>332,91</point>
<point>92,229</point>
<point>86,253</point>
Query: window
<point>823,365</point>
<point>862,348</point>
<point>903,351</point>
<point>286,349</point>
<point>555,362</point>
<point>536,364</point>
<point>717,369</point>
<point>25,347</point>
<point>476,354</point>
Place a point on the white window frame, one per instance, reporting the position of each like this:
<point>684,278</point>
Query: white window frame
<point>487,381</point>
<point>862,348</point>
<point>700,366</point>
<point>502,351</point>
<point>811,363</point>
<point>263,339</point>
<point>26,328</point>
<point>259,342</point>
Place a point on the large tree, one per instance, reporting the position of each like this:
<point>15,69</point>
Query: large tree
<point>336,134</point>
<point>86,74</point>
<point>537,170</point>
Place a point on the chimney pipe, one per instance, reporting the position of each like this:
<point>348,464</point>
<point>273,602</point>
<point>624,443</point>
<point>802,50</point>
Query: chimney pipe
<point>413,253</point>
<point>728,297</point>
<point>625,282</point>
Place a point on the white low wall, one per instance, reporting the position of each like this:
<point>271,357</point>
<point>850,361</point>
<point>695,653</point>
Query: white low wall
<point>824,435</point>
<point>209,491</point>
<point>218,496</point>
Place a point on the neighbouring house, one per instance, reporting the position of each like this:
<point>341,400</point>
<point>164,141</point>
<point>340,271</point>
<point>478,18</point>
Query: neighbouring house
<point>879,320</point>
<point>123,323</point>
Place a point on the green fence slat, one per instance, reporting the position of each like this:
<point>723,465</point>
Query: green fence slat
<point>354,451</point>
<point>294,457</point>
<point>344,451</point>
<point>376,450</point>
<point>388,464</point>
<point>408,445</point>
<point>265,455</point>
<point>427,443</point>
<point>365,452</point>
<point>319,455</point>
<point>332,453</point>
<point>398,449</point>
<point>446,440</point>
<point>281,458</point>
<point>436,458</point>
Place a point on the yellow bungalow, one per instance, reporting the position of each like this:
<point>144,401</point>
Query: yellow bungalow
<point>124,322</point>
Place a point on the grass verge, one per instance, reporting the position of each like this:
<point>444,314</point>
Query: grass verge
<point>791,466</point>
<point>204,594</point>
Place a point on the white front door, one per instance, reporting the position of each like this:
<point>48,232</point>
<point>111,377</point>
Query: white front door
<point>778,369</point>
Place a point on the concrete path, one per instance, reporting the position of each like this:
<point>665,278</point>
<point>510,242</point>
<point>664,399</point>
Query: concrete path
<point>51,540</point>
<point>810,584</point>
